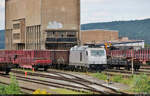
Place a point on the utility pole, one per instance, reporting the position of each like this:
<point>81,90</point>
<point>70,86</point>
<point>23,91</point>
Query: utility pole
<point>132,62</point>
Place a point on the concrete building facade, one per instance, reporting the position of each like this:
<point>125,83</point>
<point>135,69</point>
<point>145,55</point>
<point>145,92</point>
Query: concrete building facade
<point>98,36</point>
<point>42,24</point>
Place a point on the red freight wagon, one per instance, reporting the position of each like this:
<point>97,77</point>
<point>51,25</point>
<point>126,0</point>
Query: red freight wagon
<point>33,59</point>
<point>6,61</point>
<point>60,58</point>
<point>142,55</point>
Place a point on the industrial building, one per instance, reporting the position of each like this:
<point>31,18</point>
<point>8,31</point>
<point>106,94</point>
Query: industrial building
<point>42,24</point>
<point>121,43</point>
<point>98,36</point>
<point>126,42</point>
<point>135,44</point>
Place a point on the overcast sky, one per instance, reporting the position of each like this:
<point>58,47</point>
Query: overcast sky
<point>105,10</point>
<point>2,5</point>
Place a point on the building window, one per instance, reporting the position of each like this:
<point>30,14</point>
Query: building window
<point>16,26</point>
<point>50,34</point>
<point>16,36</point>
<point>61,34</point>
<point>71,34</point>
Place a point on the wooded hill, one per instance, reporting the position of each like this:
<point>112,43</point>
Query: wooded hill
<point>134,29</point>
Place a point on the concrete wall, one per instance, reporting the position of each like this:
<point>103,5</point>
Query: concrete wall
<point>8,39</point>
<point>15,9</point>
<point>38,16</point>
<point>18,9</point>
<point>59,15</point>
<point>28,11</point>
<point>98,36</point>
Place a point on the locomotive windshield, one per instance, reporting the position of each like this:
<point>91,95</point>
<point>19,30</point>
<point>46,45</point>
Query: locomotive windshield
<point>97,53</point>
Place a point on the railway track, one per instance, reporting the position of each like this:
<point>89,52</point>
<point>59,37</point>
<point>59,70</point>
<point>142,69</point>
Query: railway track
<point>77,80</point>
<point>46,83</point>
<point>125,73</point>
<point>147,67</point>
<point>84,80</point>
<point>23,89</point>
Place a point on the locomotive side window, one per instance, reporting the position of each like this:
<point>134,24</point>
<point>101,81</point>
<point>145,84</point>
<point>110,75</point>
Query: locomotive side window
<point>80,56</point>
<point>87,53</point>
<point>97,53</point>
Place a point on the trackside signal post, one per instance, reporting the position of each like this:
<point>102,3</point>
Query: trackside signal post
<point>132,63</point>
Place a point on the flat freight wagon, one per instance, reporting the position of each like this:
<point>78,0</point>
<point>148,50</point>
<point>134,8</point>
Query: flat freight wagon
<point>33,59</point>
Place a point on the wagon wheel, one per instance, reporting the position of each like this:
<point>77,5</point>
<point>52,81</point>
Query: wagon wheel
<point>7,71</point>
<point>35,68</point>
<point>45,68</point>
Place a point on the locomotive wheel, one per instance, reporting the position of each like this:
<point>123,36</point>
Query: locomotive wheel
<point>79,68</point>
<point>72,68</point>
<point>84,69</point>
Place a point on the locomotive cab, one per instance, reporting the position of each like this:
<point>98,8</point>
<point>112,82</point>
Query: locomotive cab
<point>91,58</point>
<point>97,56</point>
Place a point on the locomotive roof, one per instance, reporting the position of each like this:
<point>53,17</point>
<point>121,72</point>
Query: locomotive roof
<point>75,48</point>
<point>81,48</point>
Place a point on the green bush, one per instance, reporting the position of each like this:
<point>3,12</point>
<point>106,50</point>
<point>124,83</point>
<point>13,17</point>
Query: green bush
<point>141,84</point>
<point>12,88</point>
<point>2,88</point>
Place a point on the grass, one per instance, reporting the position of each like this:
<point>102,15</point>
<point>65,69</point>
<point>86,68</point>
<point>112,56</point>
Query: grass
<point>12,88</point>
<point>117,78</point>
<point>138,83</point>
<point>100,76</point>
